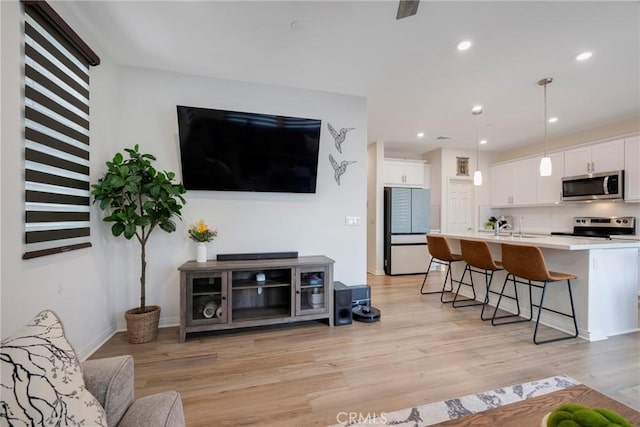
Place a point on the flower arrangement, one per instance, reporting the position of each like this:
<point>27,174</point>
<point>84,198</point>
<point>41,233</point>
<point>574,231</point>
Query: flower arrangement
<point>200,232</point>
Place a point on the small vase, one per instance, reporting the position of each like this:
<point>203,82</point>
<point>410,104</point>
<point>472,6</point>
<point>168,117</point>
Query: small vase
<point>202,252</point>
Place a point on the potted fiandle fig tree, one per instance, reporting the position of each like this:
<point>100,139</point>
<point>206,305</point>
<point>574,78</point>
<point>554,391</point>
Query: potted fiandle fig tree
<point>137,200</point>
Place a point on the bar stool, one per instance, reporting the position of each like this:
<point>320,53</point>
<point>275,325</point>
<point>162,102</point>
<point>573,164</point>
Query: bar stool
<point>440,254</point>
<point>527,262</point>
<point>479,260</point>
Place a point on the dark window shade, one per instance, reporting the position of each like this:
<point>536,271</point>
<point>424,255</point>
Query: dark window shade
<point>44,10</point>
<point>56,98</point>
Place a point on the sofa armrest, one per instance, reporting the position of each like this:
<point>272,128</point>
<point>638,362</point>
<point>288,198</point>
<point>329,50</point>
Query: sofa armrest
<point>110,380</point>
<point>157,410</point>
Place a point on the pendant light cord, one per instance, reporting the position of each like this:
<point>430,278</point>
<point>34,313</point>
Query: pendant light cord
<point>477,143</point>
<point>544,82</point>
<point>545,118</point>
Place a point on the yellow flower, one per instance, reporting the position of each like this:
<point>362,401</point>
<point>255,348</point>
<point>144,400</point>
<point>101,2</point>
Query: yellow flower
<point>202,227</point>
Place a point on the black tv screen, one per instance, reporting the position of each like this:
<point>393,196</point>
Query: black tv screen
<point>236,151</point>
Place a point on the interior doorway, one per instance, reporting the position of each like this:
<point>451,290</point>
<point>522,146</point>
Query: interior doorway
<point>460,206</point>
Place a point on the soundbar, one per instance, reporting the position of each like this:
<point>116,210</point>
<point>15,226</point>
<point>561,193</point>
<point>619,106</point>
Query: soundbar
<point>258,255</point>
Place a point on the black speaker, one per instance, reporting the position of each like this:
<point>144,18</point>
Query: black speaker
<point>341,304</point>
<point>255,256</point>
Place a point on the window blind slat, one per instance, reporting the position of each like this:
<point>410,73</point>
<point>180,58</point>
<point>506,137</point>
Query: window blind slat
<point>43,236</point>
<point>49,103</point>
<point>34,75</point>
<point>65,199</point>
<point>66,50</point>
<point>46,121</point>
<point>41,138</point>
<point>45,178</point>
<point>50,67</point>
<point>49,216</point>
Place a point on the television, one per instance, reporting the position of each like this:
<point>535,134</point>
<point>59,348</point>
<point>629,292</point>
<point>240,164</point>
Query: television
<point>236,151</point>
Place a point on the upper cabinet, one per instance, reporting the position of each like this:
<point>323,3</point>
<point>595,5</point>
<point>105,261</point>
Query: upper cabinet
<point>518,182</point>
<point>514,183</point>
<point>404,173</point>
<point>603,157</point>
<point>632,169</point>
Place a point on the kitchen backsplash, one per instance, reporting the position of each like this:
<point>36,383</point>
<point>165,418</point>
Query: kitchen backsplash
<point>544,219</point>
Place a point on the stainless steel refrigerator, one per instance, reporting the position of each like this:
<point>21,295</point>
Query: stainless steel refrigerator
<point>406,222</point>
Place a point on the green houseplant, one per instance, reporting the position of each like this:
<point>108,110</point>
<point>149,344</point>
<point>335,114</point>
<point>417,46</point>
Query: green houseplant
<point>138,199</point>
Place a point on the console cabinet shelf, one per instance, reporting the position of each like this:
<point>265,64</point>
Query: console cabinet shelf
<point>217,295</point>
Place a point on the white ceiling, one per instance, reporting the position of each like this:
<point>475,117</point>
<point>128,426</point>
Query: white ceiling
<point>409,70</point>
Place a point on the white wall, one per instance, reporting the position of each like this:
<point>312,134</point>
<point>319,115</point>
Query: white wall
<point>91,288</point>
<point>312,224</point>
<point>74,284</point>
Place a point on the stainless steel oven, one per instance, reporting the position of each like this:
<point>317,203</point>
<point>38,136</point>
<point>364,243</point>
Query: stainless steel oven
<point>597,186</point>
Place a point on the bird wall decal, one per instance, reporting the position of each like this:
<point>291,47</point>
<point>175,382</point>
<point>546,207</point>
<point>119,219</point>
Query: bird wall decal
<point>339,168</point>
<point>339,137</point>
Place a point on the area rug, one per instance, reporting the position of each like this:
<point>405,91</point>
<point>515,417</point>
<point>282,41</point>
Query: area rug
<point>433,413</point>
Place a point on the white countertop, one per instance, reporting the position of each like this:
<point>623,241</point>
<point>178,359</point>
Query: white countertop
<point>570,243</point>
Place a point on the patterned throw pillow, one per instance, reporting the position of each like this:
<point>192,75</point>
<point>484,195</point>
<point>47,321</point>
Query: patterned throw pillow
<point>42,380</point>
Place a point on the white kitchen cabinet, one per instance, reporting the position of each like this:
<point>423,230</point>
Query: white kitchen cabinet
<point>632,169</point>
<point>501,191</point>
<point>514,183</point>
<point>603,157</point>
<point>404,173</point>
<point>549,188</point>
<point>524,180</point>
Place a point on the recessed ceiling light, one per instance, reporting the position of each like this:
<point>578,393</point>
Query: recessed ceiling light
<point>477,109</point>
<point>584,56</point>
<point>420,134</point>
<point>553,119</point>
<point>464,45</point>
<point>483,141</point>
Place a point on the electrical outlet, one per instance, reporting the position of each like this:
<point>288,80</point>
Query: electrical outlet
<point>352,220</point>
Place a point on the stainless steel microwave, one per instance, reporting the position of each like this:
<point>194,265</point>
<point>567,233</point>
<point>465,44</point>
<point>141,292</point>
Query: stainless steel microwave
<point>597,186</point>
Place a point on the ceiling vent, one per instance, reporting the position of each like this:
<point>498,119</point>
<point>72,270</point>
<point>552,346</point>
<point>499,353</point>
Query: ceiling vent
<point>443,138</point>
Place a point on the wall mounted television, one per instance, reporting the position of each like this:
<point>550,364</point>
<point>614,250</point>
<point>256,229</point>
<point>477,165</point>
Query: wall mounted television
<point>237,151</point>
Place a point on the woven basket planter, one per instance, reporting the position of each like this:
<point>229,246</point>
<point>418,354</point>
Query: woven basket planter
<point>142,327</point>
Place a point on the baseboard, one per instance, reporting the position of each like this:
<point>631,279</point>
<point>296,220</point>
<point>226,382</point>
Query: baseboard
<point>550,319</point>
<point>93,346</point>
<point>169,322</point>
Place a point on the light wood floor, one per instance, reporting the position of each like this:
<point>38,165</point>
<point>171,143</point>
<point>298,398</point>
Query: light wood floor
<point>420,352</point>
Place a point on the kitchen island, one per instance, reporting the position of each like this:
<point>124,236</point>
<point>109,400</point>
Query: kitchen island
<point>605,293</point>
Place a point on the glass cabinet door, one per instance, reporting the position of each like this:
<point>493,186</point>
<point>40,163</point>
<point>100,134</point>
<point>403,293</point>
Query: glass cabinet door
<point>206,298</point>
<point>311,291</point>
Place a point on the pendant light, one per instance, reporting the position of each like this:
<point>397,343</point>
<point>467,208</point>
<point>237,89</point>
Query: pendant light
<point>477,175</point>
<point>545,162</point>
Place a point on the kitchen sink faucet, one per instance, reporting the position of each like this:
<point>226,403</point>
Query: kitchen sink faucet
<point>497,227</point>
